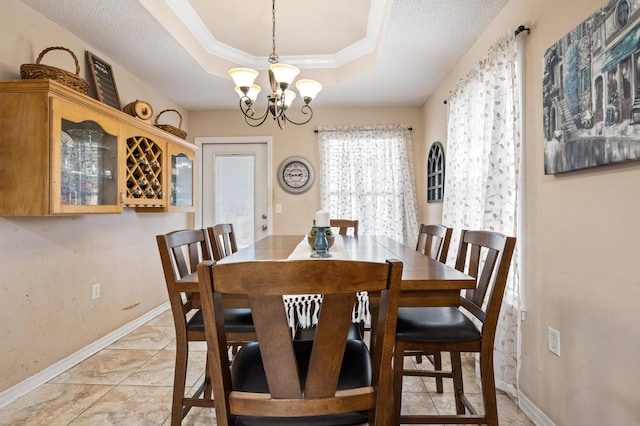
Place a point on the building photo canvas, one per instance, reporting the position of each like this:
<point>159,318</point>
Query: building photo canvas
<point>591,91</point>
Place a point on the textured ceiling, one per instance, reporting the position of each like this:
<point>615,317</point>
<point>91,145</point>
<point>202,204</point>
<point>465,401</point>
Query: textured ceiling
<point>364,52</point>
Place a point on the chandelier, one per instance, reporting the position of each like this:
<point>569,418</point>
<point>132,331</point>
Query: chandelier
<point>281,76</point>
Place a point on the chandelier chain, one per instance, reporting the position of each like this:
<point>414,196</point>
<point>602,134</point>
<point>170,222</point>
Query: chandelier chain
<point>273,58</point>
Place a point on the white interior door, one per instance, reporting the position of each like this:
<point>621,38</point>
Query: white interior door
<point>236,187</point>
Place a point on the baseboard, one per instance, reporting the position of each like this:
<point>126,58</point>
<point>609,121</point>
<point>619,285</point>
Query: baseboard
<point>42,377</point>
<point>526,406</point>
<point>534,413</point>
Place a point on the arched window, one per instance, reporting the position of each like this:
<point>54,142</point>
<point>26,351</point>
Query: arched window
<point>622,13</point>
<point>435,174</point>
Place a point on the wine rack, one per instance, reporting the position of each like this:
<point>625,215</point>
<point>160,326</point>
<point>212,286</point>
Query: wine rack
<point>144,173</point>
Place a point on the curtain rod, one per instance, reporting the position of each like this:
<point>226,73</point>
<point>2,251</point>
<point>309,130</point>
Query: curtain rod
<point>518,30</point>
<point>366,130</point>
<point>522,28</point>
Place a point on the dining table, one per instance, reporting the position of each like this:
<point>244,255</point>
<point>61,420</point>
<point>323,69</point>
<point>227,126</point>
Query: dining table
<point>425,281</point>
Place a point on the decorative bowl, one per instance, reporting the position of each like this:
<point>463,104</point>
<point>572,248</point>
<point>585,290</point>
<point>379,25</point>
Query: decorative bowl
<point>312,241</point>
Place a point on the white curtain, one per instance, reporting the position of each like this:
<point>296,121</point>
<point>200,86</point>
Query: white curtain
<point>367,174</point>
<point>483,179</point>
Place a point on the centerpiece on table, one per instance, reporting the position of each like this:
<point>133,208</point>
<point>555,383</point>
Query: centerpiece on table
<point>320,234</point>
<point>313,234</point>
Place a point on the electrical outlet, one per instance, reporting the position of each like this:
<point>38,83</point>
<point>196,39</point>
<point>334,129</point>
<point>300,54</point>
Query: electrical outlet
<point>278,208</point>
<point>95,291</point>
<point>554,341</point>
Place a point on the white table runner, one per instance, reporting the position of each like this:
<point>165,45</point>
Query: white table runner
<point>305,308</point>
<point>304,251</point>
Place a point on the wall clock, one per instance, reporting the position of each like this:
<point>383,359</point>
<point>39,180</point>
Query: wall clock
<point>295,175</point>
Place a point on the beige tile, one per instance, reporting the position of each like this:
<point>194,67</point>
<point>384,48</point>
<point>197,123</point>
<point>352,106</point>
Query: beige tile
<point>446,403</point>
<point>107,367</point>
<point>414,403</point>
<point>158,371</point>
<point>197,346</point>
<point>413,384</point>
<point>193,346</point>
<point>129,405</point>
<point>165,319</point>
<point>470,380</point>
<point>198,416</point>
<point>146,337</point>
<point>509,414</point>
<point>52,404</point>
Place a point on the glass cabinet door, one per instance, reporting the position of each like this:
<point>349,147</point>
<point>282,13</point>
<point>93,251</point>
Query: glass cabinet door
<point>88,167</point>
<point>181,181</point>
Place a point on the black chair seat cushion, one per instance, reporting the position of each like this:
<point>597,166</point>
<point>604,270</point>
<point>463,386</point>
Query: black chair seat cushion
<point>247,374</point>
<point>238,320</point>
<point>435,324</point>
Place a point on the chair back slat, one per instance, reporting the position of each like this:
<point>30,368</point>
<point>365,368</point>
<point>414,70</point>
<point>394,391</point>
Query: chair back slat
<point>273,333</point>
<point>331,337</point>
<point>487,257</point>
<point>344,225</point>
<point>222,239</point>
<point>184,249</point>
<point>433,241</point>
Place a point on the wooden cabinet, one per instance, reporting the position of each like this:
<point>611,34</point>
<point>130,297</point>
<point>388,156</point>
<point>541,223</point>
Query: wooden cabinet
<point>62,152</point>
<point>181,179</point>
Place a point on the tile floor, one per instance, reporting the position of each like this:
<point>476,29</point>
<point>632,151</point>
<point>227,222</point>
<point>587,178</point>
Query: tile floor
<point>130,382</point>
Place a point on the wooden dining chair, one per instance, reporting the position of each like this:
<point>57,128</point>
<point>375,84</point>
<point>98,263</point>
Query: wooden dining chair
<point>222,239</point>
<point>180,253</point>
<point>330,380</point>
<point>486,256</point>
<point>434,240</point>
<point>344,225</point>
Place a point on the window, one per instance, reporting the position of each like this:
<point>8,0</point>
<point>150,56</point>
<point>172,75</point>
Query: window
<point>435,173</point>
<point>585,80</point>
<point>367,174</point>
<point>622,13</point>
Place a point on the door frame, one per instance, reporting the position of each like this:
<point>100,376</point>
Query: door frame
<point>204,140</point>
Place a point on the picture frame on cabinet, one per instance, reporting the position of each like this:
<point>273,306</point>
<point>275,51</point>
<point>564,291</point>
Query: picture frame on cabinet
<point>103,81</point>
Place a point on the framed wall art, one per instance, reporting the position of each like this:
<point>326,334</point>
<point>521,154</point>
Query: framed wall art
<point>591,91</point>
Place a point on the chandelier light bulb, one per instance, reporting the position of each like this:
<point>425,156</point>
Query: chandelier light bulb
<point>284,74</point>
<point>243,77</point>
<point>289,96</point>
<point>308,89</point>
<point>252,94</point>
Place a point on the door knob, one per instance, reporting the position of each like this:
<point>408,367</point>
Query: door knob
<point>264,227</point>
<point>264,216</point>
